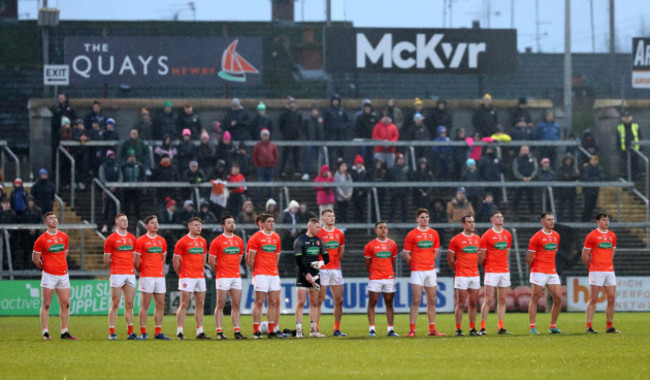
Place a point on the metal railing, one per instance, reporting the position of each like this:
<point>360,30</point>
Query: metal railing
<point>646,167</point>
<point>93,201</point>
<point>375,196</point>
<point>61,207</point>
<point>72,172</point>
<point>7,150</point>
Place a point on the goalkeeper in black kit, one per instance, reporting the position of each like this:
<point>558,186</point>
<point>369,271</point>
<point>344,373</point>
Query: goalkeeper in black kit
<point>307,247</point>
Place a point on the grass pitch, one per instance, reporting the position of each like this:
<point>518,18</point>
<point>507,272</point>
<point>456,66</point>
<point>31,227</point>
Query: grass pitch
<point>572,355</point>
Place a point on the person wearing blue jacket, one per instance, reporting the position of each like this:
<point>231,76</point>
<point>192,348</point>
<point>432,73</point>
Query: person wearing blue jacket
<point>443,154</point>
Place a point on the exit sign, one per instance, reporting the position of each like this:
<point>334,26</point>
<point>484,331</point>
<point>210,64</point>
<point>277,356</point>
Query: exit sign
<point>56,75</point>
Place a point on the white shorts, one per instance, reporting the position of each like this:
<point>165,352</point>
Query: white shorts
<point>119,280</point>
<point>602,278</point>
<point>265,284</point>
<point>228,283</point>
<point>330,277</point>
<point>426,278</point>
<point>51,281</point>
<point>192,285</point>
<point>467,282</point>
<point>382,286</point>
<point>152,285</point>
<point>543,279</point>
<point>501,280</point>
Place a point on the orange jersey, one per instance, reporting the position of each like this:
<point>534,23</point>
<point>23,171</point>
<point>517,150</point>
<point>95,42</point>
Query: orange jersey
<point>466,249</point>
<point>602,250</point>
<point>53,249</point>
<point>266,249</point>
<point>192,253</point>
<point>545,247</point>
<point>496,245</point>
<point>228,251</point>
<point>333,240</point>
<point>421,245</point>
<point>151,253</point>
<point>381,254</point>
<point>120,247</point>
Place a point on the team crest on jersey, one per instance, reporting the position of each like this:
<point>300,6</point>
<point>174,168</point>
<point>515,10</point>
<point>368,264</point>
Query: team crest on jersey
<point>332,244</point>
<point>231,251</point>
<point>501,245</point>
<point>383,254</point>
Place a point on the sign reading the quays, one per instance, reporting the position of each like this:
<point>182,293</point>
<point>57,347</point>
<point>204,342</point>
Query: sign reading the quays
<point>232,250</point>
<point>163,61</point>
<point>395,50</point>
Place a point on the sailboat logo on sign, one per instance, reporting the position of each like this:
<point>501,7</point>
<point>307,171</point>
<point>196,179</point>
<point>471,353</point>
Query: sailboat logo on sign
<point>233,66</point>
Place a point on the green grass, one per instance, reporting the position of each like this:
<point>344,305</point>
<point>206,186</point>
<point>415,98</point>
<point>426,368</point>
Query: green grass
<point>25,355</point>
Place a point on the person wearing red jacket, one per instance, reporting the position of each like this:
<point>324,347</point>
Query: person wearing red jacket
<point>385,130</point>
<point>265,159</point>
<point>324,195</point>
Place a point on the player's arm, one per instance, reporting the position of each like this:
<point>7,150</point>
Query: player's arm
<point>250,259</point>
<point>136,261</point>
<point>586,256</point>
<point>451,259</point>
<point>36,259</point>
<point>164,257</point>
<point>324,254</point>
<point>212,261</point>
<point>367,261</point>
<point>407,256</point>
<point>176,262</point>
<point>530,258</point>
<point>341,251</point>
<point>107,254</point>
<point>613,251</point>
<point>481,257</point>
<point>436,253</point>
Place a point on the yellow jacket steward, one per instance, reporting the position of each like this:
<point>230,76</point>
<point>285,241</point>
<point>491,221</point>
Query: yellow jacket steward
<point>635,135</point>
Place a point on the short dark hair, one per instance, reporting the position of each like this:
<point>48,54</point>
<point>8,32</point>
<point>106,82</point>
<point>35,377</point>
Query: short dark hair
<point>326,210</point>
<point>495,212</point>
<point>48,214</point>
<point>601,215</point>
<point>421,210</point>
<point>149,218</point>
<point>464,218</point>
<point>223,219</point>
<point>381,222</point>
<point>314,221</point>
<point>120,215</point>
<point>194,219</point>
<point>265,217</point>
<point>544,214</point>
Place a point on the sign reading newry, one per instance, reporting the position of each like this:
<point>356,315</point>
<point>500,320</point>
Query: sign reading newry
<point>163,61</point>
<point>641,63</point>
<point>427,51</point>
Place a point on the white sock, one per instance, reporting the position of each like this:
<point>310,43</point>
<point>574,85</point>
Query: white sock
<point>65,330</point>
<point>390,328</point>
<point>199,330</point>
<point>276,328</point>
<point>44,331</point>
<point>179,330</point>
<point>298,326</point>
<point>372,328</point>
<point>312,325</point>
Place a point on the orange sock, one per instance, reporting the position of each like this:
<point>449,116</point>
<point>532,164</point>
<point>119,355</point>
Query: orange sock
<point>432,327</point>
<point>256,327</point>
<point>158,330</point>
<point>482,324</point>
<point>337,326</point>
<point>588,325</point>
<point>412,326</point>
<point>219,330</point>
<point>129,329</point>
<point>457,326</point>
<point>317,325</point>
<point>111,330</point>
<point>472,325</point>
<point>236,329</point>
<point>271,327</point>
<point>500,324</point>
<point>610,324</point>
<point>143,330</point>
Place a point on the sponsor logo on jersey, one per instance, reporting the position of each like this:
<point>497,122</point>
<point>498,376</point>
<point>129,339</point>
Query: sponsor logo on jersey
<point>424,244</point>
<point>271,248</point>
<point>470,249</point>
<point>313,250</point>
<point>154,250</point>
<point>501,245</point>
<point>550,246</point>
<point>332,244</point>
<point>232,251</point>
<point>605,245</point>
<point>123,248</point>
<point>196,251</point>
<point>383,254</point>
<point>56,248</point>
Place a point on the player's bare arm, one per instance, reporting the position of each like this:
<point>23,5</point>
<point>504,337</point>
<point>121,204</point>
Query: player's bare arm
<point>250,260</point>
<point>451,259</point>
<point>367,261</point>
<point>586,256</point>
<point>530,257</point>
<point>212,261</point>
<point>436,253</point>
<point>407,256</point>
<point>108,258</point>
<point>481,257</point>
<point>176,262</point>
<point>36,259</point>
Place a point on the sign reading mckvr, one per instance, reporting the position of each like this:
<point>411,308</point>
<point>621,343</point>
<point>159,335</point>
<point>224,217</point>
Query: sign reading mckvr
<point>641,63</point>
<point>56,75</point>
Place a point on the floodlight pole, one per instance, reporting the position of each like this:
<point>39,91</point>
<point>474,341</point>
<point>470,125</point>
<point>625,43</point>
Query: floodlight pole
<point>568,93</point>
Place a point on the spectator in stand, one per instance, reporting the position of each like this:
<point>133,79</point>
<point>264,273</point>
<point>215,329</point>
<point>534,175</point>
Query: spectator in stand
<point>206,152</point>
<point>132,172</point>
<point>592,172</point>
<point>166,123</point>
<point>18,198</point>
<point>2,192</point>
<point>188,211</point>
<point>458,207</point>
<point>81,154</point>
<point>32,215</point>
<point>312,131</point>
<point>438,214</point>
<point>8,216</point>
<point>419,132</point>
<point>189,120</point>
<point>459,155</point>
<point>247,215</point>
<point>472,193</point>
<point>628,134</point>
<point>422,195</point>
<point>395,113</point>
<point>442,154</point>
<point>398,195</point>
<point>490,168</point>
<point>187,151</point>
<point>43,192</point>
<point>485,209</point>
<point>193,174</point>
<point>291,216</point>
<point>237,194</point>
<point>227,151</point>
<point>95,115</point>
<point>385,130</point>
<point>109,171</point>
<point>219,194</point>
<point>220,171</point>
<point>110,134</point>
<point>304,213</point>
<point>166,171</point>
<point>236,121</point>
<point>521,131</point>
<point>245,161</point>
<point>61,109</point>
<point>265,159</point>
<point>260,121</point>
<point>545,174</point>
<point>588,142</point>
<point>144,125</point>
<point>567,195</point>
<point>165,149</point>
<point>524,168</point>
<point>549,130</point>
<point>343,191</point>
<point>359,194</point>
<point>135,144</point>
<point>440,116</point>
<point>485,118</point>
<point>170,215</point>
<point>363,126</point>
<point>520,112</point>
<point>271,208</point>
<point>335,122</point>
<point>409,118</point>
<point>325,197</point>
<point>290,123</point>
<point>207,216</point>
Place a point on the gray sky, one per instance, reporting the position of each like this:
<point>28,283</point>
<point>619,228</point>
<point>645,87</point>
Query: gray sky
<point>630,15</point>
